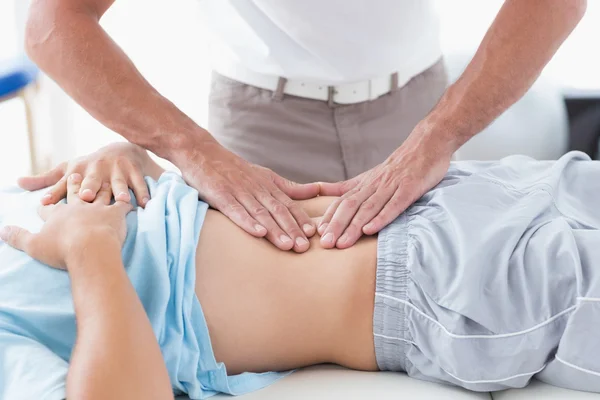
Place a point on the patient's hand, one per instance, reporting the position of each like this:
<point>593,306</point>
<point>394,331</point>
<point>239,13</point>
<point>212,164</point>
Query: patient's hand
<point>122,165</point>
<point>70,228</point>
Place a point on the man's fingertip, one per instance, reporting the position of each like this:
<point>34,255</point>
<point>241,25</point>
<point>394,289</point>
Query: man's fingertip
<point>369,229</point>
<point>322,227</point>
<point>308,229</point>
<point>301,244</point>
<point>328,239</point>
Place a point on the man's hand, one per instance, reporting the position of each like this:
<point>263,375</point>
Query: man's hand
<point>522,39</point>
<point>66,226</point>
<point>122,165</point>
<point>255,198</point>
<point>375,198</point>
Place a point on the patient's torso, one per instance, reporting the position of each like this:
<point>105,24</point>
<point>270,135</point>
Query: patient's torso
<point>37,319</point>
<point>269,309</point>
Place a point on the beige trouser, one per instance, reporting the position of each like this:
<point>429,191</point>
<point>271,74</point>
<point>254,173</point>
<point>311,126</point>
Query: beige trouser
<point>310,140</point>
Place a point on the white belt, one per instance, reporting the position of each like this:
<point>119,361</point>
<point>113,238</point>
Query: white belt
<point>346,93</point>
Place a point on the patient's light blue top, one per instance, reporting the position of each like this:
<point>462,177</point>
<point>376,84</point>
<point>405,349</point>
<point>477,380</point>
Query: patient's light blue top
<point>37,320</point>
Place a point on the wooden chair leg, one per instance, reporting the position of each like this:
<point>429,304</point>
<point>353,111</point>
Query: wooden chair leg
<point>31,137</point>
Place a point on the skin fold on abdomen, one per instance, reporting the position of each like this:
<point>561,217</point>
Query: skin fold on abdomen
<point>270,310</point>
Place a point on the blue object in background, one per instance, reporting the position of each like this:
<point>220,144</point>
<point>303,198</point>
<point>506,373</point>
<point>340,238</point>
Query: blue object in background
<point>15,75</point>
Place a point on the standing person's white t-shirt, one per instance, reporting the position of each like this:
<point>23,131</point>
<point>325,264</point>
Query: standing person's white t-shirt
<point>323,41</point>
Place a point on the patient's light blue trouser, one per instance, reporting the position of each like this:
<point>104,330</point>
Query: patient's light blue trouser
<point>493,278</point>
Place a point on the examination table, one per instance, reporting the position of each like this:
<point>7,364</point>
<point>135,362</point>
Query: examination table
<point>335,383</point>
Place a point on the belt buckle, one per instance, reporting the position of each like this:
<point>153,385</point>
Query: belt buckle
<point>331,92</point>
<point>393,86</point>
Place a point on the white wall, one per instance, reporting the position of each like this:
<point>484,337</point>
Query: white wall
<point>164,39</point>
<point>576,64</point>
<point>13,140</point>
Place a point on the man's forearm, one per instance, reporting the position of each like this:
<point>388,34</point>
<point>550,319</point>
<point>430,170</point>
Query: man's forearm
<point>523,38</point>
<point>116,354</point>
<point>65,39</point>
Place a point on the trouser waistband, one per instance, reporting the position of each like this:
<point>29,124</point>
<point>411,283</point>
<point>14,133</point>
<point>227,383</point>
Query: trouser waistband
<point>389,316</point>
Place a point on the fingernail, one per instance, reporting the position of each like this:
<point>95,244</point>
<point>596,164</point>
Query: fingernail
<point>105,185</point>
<point>47,196</point>
<point>307,228</point>
<point>300,242</point>
<point>343,238</point>
<point>257,228</point>
<point>322,228</point>
<point>3,233</point>
<point>74,177</point>
<point>327,238</point>
<point>284,239</point>
<point>86,191</point>
<point>368,226</point>
<point>126,195</point>
<point>145,200</point>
